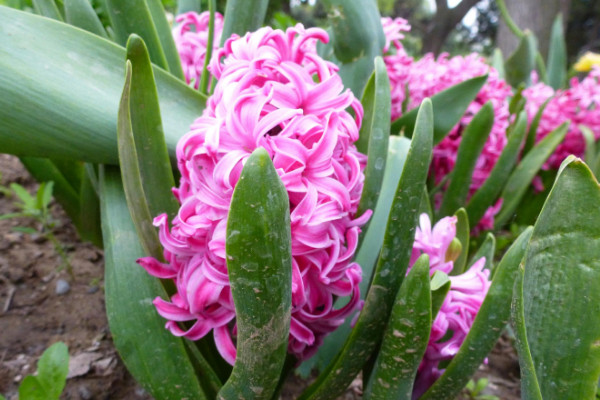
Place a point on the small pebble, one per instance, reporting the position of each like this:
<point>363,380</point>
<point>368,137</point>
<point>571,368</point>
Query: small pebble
<point>92,289</point>
<point>84,392</point>
<point>62,287</point>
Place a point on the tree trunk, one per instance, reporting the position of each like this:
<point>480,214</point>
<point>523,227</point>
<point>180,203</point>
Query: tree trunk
<point>444,21</point>
<point>535,15</point>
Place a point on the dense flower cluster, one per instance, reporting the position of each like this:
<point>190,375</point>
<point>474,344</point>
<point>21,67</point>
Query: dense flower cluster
<point>429,76</point>
<point>191,39</point>
<point>579,103</point>
<point>456,316</point>
<point>397,61</point>
<point>273,92</point>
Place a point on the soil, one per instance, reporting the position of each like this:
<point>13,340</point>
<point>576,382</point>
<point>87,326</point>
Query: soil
<point>33,316</point>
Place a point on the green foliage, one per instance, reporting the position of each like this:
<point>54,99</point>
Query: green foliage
<point>474,390</point>
<point>51,377</point>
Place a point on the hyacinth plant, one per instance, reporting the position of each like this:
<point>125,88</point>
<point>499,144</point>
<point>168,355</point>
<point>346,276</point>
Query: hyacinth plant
<point>274,220</point>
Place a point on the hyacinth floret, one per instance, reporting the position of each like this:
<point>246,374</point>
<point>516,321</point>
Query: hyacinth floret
<point>191,39</point>
<point>579,103</point>
<point>460,307</point>
<point>273,92</point>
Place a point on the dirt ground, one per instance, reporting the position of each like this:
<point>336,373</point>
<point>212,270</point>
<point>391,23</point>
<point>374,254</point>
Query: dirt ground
<point>33,316</point>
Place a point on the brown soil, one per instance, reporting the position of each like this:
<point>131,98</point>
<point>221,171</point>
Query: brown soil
<point>33,316</point>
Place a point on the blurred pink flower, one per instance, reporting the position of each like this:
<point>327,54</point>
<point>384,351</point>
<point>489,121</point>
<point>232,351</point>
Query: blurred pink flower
<point>456,316</point>
<point>412,81</point>
<point>274,92</point>
<point>579,103</point>
<point>191,39</point>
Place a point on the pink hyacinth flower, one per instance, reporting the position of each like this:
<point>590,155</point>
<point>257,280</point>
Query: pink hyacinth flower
<point>191,39</point>
<point>429,76</point>
<point>579,103</point>
<point>456,316</point>
<point>273,92</point>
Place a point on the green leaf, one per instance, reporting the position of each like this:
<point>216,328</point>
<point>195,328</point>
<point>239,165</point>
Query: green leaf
<point>51,116</point>
<point>533,127</point>
<point>132,179</point>
<point>449,106</point>
<point>368,251</point>
<point>134,16</point>
<point>259,262</point>
<point>473,139</point>
<point>561,300</point>
<point>487,250</point>
<point>487,327</point>
<point>205,76</point>
<point>498,63</point>
<point>81,14</point>
<point>89,208</point>
<point>488,193</point>
<point>46,195</point>
<point>163,30</point>
<point>184,6</point>
<point>405,338</point>
<point>590,145</point>
<point>32,389</point>
<point>391,267</point>
<point>153,158</point>
<point>23,195</point>
<point>243,16</point>
<point>44,170</point>
<point>523,175</point>
<point>53,368</point>
<point>24,229</point>
<point>557,55</point>
<point>530,388</point>
<point>151,353</point>
<point>440,286</point>
<point>540,67</point>
<point>519,65</point>
<point>463,233</point>
<point>374,134</point>
<point>47,8</point>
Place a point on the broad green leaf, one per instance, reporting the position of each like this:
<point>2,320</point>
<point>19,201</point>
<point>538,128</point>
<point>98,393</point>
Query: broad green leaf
<point>357,37</point>
<point>449,106</point>
<point>32,389</point>
<point>498,62</point>
<point>156,359</point>
<point>44,170</point>
<point>557,55</point>
<point>81,14</point>
<point>163,30</point>
<point>405,338</point>
<point>487,250</point>
<point>463,234</point>
<point>134,16</point>
<point>259,262</point>
<point>561,301</point>
<point>153,158</point>
<point>519,65</point>
<point>487,327</point>
<point>533,127</point>
<point>473,139</point>
<point>184,6</point>
<point>425,207</point>
<point>517,102</point>
<point>391,267</point>
<point>523,175</point>
<point>374,134</point>
<point>488,193</point>
<point>242,16</point>
<point>89,211</point>
<point>53,368</point>
<point>68,108</point>
<point>47,8</point>
<point>530,389</point>
<point>132,176</point>
<point>368,251</point>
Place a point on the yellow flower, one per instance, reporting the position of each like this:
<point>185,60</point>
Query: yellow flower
<point>587,61</point>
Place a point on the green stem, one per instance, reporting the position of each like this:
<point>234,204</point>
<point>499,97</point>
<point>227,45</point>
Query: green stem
<point>510,23</point>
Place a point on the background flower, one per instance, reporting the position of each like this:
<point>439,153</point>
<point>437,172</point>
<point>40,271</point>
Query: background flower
<point>274,92</point>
